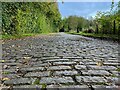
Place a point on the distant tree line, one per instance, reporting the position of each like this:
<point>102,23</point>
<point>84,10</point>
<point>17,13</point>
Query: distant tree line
<point>44,17</point>
<point>103,23</point>
<point>75,23</point>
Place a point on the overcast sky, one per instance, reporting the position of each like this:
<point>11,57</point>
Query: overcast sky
<point>85,9</point>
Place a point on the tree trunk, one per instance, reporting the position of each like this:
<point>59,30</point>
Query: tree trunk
<point>77,30</point>
<point>96,28</point>
<point>103,29</point>
<point>119,32</point>
<point>114,27</point>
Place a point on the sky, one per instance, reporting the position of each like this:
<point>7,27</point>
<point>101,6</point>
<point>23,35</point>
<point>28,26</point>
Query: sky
<point>84,9</point>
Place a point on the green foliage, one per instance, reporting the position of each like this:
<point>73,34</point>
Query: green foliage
<point>30,17</point>
<point>108,22</point>
<point>74,23</point>
<point>40,24</point>
<point>103,23</point>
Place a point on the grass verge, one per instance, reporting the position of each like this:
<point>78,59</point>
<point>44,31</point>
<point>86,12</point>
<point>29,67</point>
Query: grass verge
<point>93,35</point>
<point>7,37</point>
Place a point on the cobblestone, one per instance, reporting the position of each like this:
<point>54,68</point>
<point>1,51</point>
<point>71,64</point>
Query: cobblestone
<point>59,68</point>
<point>64,63</point>
<point>81,67</point>
<point>33,69</point>
<point>54,80</point>
<point>65,73</point>
<point>96,72</point>
<point>18,81</point>
<point>89,79</point>
<point>37,74</point>
<point>54,60</point>
<point>69,87</point>
<point>60,61</point>
<point>102,67</point>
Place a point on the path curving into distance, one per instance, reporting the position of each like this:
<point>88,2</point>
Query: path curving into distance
<point>60,61</point>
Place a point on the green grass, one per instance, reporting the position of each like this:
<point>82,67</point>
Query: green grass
<point>16,36</point>
<point>7,37</point>
<point>106,36</point>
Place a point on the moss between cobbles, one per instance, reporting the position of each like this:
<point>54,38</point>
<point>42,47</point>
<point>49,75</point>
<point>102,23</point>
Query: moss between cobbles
<point>118,69</point>
<point>6,72</point>
<point>113,75</point>
<point>44,86</point>
<point>37,82</point>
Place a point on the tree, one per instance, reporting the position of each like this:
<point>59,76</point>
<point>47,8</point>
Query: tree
<point>30,17</point>
<point>76,23</point>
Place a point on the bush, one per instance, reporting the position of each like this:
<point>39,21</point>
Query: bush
<point>20,18</point>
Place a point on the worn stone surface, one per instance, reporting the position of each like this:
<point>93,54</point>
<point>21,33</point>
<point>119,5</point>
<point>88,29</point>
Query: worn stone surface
<point>113,80</point>
<point>59,68</point>
<point>18,81</point>
<point>10,76</point>
<point>37,74</point>
<point>96,72</point>
<point>33,69</point>
<point>54,60</point>
<point>54,80</point>
<point>64,63</point>
<point>102,67</point>
<point>115,73</point>
<point>65,72</point>
<point>81,67</point>
<point>103,87</point>
<point>89,79</point>
<point>31,87</point>
<point>60,60</point>
<point>68,87</point>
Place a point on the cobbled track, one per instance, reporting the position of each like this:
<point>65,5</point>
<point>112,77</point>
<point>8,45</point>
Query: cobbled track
<point>61,61</point>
